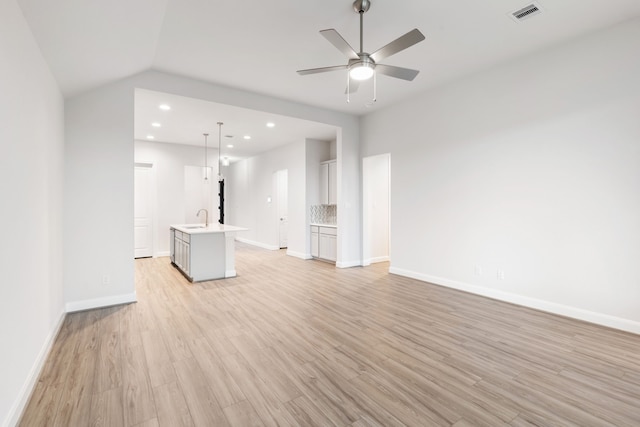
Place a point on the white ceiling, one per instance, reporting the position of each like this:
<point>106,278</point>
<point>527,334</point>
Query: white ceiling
<point>258,46</point>
<point>189,118</point>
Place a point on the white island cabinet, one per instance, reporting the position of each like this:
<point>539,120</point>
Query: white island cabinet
<point>204,253</point>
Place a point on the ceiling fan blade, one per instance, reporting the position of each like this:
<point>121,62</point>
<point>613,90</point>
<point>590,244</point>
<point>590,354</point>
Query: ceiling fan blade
<point>353,86</point>
<point>397,72</point>
<point>321,70</point>
<point>336,39</point>
<point>401,43</point>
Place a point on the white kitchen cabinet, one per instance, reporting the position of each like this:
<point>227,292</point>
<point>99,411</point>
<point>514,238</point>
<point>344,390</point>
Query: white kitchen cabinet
<point>181,255</point>
<point>328,183</point>
<point>333,183</point>
<point>315,248</point>
<point>324,244</point>
<point>172,246</point>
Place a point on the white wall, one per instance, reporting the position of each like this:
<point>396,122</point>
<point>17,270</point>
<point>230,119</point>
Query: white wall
<point>98,194</point>
<point>533,168</point>
<point>31,174</point>
<point>333,153</point>
<point>316,151</point>
<point>169,161</point>
<point>248,185</point>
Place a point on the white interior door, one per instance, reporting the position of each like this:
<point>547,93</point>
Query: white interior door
<point>143,210</point>
<point>282,196</point>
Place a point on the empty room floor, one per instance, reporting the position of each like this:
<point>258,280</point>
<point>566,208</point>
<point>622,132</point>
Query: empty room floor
<point>291,342</point>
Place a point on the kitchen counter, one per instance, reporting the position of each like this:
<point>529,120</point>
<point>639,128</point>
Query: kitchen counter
<point>204,253</point>
<point>317,224</point>
<point>211,228</point>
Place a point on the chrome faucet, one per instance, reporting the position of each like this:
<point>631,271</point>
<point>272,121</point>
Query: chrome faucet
<point>206,216</point>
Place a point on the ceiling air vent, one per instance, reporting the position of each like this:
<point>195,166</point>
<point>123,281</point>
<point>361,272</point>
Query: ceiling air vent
<point>526,12</point>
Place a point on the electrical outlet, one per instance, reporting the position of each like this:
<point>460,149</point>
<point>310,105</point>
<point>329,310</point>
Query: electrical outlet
<point>106,279</point>
<point>500,274</point>
<point>477,270</point>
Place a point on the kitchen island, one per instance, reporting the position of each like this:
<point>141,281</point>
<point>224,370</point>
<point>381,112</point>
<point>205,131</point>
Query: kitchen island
<point>204,252</point>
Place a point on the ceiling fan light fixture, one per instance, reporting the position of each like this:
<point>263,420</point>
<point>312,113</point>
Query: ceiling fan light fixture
<point>361,71</point>
<point>362,65</point>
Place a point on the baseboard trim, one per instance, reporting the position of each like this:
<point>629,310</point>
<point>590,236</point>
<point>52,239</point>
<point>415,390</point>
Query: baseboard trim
<point>258,244</point>
<point>348,264</point>
<point>299,254</point>
<point>100,302</point>
<point>375,260</point>
<point>542,305</point>
<point>29,386</point>
<point>162,254</point>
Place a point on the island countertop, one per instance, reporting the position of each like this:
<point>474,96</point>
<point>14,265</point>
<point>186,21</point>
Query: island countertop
<point>211,228</point>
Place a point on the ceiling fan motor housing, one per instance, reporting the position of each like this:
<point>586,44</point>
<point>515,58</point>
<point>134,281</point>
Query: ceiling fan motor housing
<point>361,6</point>
<point>364,61</point>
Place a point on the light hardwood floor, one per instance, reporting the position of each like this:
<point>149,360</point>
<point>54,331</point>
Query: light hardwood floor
<point>291,342</point>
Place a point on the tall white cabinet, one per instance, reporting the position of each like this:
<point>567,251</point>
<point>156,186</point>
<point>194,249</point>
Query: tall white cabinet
<point>328,183</point>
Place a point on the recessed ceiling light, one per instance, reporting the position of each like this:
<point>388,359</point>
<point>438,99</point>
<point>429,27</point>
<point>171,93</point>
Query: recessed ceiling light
<point>229,145</point>
<point>271,124</point>
<point>156,124</point>
<point>150,137</point>
<point>164,107</point>
<point>247,137</point>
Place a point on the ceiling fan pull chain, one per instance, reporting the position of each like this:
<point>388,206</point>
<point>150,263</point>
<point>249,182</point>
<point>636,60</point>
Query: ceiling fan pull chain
<point>375,86</point>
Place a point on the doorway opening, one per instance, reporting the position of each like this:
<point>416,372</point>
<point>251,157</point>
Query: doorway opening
<point>143,210</point>
<point>376,194</point>
<point>282,202</point>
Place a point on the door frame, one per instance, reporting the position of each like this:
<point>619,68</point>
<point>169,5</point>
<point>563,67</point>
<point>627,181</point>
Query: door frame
<point>279,190</point>
<point>154,211</point>
<point>367,221</point>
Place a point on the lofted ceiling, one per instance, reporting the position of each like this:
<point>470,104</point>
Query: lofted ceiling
<point>258,46</point>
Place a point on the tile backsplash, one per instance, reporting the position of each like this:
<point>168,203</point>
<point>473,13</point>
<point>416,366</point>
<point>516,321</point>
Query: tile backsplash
<point>324,214</point>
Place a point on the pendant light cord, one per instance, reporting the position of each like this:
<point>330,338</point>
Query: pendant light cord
<point>219,150</point>
<point>206,172</point>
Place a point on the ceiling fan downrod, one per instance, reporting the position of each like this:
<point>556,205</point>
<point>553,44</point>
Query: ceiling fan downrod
<point>361,6</point>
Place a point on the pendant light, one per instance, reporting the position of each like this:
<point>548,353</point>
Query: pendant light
<point>220,177</point>
<point>206,171</point>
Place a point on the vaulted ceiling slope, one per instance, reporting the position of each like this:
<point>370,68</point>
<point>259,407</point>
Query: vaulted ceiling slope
<point>258,46</point>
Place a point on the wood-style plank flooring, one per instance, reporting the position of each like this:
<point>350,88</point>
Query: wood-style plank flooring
<point>301,343</point>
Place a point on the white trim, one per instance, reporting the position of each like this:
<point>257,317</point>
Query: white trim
<point>348,264</point>
<point>298,254</point>
<point>258,244</point>
<point>154,199</point>
<point>229,274</point>
<point>547,306</point>
<point>162,254</point>
<point>374,260</point>
<point>100,302</point>
<point>15,413</point>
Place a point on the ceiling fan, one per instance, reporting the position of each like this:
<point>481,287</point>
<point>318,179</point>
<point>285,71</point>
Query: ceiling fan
<point>362,65</point>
